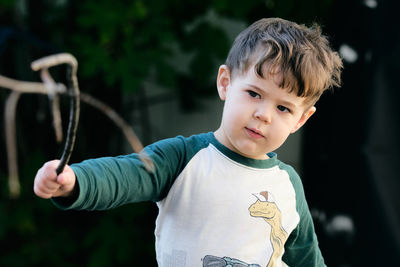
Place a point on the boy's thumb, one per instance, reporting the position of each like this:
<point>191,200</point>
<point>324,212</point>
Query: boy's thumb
<point>62,179</point>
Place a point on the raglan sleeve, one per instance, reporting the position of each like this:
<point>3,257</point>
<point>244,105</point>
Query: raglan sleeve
<point>109,182</point>
<point>301,248</point>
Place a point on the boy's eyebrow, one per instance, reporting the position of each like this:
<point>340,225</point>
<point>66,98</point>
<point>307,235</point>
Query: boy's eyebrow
<point>255,87</point>
<point>285,102</point>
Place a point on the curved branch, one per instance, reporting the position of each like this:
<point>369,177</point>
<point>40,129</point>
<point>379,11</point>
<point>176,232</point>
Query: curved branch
<point>112,114</point>
<point>11,143</point>
<point>19,87</point>
<point>130,135</point>
<point>28,87</point>
<point>54,99</point>
<point>53,60</point>
<point>40,88</point>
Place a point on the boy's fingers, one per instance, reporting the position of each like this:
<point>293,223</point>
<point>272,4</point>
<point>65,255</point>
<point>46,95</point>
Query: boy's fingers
<point>42,191</point>
<point>48,171</point>
<point>46,180</point>
<point>51,185</point>
<point>48,184</point>
<point>43,195</point>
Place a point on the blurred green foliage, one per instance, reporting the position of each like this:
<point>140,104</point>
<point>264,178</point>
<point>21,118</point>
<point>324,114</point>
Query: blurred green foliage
<point>7,4</point>
<point>118,44</point>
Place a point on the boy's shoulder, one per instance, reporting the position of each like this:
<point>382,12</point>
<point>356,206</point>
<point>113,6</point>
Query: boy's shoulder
<point>192,143</point>
<point>179,150</point>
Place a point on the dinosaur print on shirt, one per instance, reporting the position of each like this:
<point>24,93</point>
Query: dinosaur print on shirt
<point>266,208</point>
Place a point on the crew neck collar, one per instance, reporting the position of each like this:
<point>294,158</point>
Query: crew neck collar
<point>255,163</point>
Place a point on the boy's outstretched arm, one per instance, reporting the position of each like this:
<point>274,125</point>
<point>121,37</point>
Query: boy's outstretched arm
<point>47,184</point>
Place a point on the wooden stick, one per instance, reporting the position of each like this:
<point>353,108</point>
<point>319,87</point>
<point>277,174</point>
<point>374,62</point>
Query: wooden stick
<point>11,143</point>
<point>54,103</point>
<point>54,60</point>
<point>28,87</point>
<point>39,88</point>
<point>49,87</point>
<point>51,61</point>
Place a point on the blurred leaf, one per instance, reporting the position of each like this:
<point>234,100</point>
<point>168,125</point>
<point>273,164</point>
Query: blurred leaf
<point>7,3</point>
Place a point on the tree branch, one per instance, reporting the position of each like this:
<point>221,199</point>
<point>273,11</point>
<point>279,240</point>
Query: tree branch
<point>11,143</point>
<point>40,88</point>
<point>54,99</point>
<point>52,89</point>
<point>28,87</point>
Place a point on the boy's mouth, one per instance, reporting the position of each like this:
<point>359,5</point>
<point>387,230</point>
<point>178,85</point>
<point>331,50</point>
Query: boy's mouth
<point>254,133</point>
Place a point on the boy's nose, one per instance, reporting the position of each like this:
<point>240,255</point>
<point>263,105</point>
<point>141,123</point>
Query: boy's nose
<point>264,114</point>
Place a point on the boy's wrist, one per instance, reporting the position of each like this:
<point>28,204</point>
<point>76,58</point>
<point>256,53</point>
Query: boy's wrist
<point>74,193</point>
<point>69,197</point>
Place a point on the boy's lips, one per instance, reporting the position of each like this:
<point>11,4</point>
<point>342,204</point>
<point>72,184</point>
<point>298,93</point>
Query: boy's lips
<point>254,133</point>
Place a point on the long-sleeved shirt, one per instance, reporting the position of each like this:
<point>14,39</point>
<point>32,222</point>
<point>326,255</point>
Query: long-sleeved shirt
<point>216,207</point>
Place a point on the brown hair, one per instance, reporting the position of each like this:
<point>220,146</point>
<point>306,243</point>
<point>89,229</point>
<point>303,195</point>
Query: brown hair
<point>301,55</point>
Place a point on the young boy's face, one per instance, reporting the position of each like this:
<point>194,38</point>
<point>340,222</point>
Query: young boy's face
<point>258,115</point>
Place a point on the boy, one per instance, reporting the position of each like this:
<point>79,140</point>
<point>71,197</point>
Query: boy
<point>224,197</point>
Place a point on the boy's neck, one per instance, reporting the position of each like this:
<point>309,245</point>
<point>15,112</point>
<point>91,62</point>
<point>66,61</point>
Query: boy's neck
<point>220,136</point>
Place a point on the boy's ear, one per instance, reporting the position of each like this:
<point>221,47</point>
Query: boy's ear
<point>223,81</point>
<point>306,115</point>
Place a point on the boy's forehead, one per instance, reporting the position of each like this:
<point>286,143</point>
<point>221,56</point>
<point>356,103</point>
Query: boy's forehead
<point>251,78</point>
<point>268,75</point>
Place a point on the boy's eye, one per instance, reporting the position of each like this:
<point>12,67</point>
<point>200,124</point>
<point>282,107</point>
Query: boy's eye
<point>283,108</point>
<point>253,94</point>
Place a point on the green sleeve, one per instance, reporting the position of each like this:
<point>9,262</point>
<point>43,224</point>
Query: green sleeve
<point>109,182</point>
<point>301,248</point>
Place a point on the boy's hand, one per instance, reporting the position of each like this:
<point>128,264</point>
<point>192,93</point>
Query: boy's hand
<point>47,184</point>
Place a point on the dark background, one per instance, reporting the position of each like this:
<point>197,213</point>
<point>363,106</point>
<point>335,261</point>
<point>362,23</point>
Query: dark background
<point>349,149</point>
